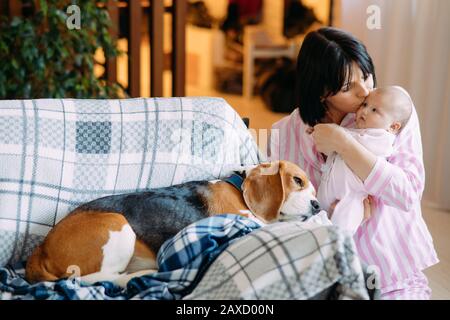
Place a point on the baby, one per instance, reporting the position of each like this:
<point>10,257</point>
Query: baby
<point>378,121</point>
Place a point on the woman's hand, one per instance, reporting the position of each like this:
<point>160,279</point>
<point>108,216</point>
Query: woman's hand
<point>329,137</point>
<point>331,210</point>
<point>368,204</point>
<point>368,208</point>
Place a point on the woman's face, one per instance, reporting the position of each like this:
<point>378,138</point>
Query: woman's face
<point>352,94</point>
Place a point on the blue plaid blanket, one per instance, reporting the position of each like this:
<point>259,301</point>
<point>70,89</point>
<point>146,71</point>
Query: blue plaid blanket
<point>182,262</point>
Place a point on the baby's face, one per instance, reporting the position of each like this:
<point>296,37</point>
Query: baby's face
<point>374,113</point>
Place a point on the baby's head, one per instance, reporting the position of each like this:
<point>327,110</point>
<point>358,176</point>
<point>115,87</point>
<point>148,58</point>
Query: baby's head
<point>386,108</point>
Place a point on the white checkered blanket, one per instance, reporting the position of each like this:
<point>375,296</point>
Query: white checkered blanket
<point>289,261</point>
<point>58,153</point>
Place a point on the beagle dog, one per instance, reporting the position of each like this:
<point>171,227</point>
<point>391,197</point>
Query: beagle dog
<point>116,238</point>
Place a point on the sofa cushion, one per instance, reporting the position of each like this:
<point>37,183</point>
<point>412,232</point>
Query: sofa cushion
<point>58,153</point>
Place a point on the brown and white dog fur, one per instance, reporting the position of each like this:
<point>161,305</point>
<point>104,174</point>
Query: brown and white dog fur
<point>116,238</point>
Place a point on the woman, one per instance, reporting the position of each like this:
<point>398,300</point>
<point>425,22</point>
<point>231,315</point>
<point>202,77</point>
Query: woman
<point>334,75</point>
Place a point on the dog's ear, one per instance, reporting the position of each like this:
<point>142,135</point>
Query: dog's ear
<point>263,191</point>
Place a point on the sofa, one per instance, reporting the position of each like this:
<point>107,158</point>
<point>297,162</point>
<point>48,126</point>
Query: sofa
<point>56,154</point>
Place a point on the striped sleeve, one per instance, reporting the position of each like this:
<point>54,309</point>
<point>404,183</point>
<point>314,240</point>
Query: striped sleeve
<point>399,181</point>
<point>281,139</point>
<point>289,140</point>
<point>378,178</point>
<point>273,147</point>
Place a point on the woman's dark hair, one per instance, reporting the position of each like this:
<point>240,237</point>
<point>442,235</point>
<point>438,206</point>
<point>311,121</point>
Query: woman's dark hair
<point>324,65</point>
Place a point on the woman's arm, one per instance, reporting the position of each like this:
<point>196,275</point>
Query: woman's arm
<point>356,156</point>
<point>398,182</point>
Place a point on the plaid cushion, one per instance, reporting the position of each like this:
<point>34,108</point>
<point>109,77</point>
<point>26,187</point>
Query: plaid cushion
<point>58,153</point>
<point>286,260</point>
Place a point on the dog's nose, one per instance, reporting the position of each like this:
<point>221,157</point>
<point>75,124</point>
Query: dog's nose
<point>316,206</point>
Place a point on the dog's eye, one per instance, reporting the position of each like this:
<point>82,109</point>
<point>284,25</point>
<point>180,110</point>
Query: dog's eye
<point>299,181</point>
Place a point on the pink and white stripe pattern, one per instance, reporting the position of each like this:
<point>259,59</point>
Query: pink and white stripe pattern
<point>395,239</point>
<point>415,287</point>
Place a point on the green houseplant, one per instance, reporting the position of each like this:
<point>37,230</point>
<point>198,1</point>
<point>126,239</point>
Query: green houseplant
<point>42,58</point>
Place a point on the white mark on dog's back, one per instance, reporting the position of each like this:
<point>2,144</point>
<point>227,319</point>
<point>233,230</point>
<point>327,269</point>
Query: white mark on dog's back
<point>119,249</point>
<point>214,181</point>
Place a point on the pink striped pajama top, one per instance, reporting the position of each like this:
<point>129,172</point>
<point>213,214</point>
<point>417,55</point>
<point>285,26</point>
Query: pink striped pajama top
<point>395,240</point>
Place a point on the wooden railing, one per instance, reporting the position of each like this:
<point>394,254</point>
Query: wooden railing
<point>156,30</point>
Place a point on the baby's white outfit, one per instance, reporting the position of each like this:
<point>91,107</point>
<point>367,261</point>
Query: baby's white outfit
<point>338,182</point>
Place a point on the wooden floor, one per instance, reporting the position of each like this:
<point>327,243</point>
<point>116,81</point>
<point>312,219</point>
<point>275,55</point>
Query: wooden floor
<point>438,221</point>
<point>439,275</point>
